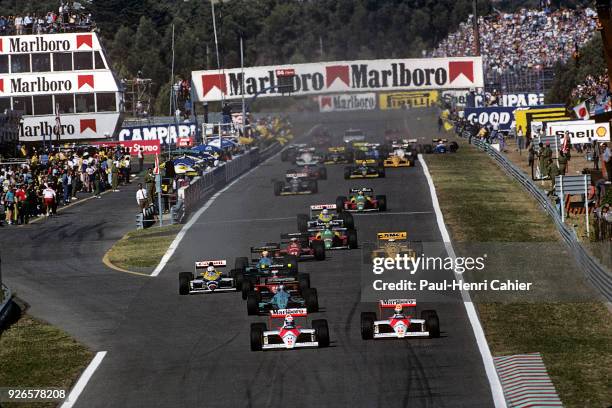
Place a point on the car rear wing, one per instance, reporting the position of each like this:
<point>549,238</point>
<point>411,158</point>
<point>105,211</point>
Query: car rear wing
<point>307,149</point>
<point>271,247</point>
<point>323,207</point>
<point>391,303</point>
<point>298,175</point>
<point>365,190</point>
<point>289,235</point>
<point>219,263</point>
<point>336,149</point>
<point>392,236</point>
<point>439,140</point>
<point>321,224</point>
<point>366,161</point>
<point>282,313</point>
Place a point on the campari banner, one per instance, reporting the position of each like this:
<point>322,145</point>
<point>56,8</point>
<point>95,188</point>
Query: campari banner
<point>341,76</point>
<point>166,133</point>
<point>347,102</point>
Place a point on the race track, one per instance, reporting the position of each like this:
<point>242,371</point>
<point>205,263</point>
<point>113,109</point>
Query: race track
<point>193,351</point>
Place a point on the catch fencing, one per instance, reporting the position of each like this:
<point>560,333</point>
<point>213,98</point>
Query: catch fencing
<point>599,276</point>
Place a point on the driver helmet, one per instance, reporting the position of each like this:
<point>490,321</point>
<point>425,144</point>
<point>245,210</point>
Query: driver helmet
<point>325,212</point>
<point>294,240</point>
<point>288,320</point>
<point>361,192</point>
<point>281,288</point>
<point>264,254</point>
<point>398,309</point>
<point>210,269</point>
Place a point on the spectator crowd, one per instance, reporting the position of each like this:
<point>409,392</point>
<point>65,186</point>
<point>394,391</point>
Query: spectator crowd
<point>527,39</point>
<point>70,17</point>
<point>41,181</point>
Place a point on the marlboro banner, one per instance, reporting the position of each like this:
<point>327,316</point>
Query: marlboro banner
<point>341,76</point>
<point>407,100</point>
<point>347,102</point>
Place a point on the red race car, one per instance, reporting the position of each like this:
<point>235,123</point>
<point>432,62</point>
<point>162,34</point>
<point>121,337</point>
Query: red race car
<point>297,244</point>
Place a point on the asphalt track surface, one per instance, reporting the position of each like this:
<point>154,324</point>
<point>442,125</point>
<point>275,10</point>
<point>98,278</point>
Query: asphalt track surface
<point>166,350</point>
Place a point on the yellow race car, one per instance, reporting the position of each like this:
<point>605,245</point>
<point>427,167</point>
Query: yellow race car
<point>395,160</point>
<point>391,244</point>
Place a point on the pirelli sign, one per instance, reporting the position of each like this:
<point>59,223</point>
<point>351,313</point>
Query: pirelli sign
<point>342,76</point>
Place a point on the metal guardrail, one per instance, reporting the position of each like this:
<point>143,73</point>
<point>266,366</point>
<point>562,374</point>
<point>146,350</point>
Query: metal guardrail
<point>599,276</point>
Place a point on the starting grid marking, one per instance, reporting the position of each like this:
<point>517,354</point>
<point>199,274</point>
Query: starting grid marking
<point>526,382</point>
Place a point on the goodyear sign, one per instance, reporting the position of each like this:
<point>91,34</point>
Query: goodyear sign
<point>494,115</point>
<point>407,100</point>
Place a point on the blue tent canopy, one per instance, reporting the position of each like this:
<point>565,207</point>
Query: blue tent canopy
<point>205,149</point>
<point>225,143</point>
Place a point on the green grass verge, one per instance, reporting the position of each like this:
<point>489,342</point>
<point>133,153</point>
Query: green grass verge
<point>480,204</point>
<point>142,248</point>
<point>35,354</point>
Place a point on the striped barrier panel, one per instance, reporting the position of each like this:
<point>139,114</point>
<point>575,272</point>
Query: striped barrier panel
<point>526,382</point>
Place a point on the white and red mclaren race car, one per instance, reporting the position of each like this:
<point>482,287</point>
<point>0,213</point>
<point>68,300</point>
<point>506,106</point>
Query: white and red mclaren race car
<point>289,335</point>
<point>398,320</point>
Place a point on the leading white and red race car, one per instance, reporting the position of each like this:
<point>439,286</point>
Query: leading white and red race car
<point>398,320</point>
<point>289,335</point>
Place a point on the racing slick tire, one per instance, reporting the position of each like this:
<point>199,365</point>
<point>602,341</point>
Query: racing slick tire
<point>302,222</point>
<point>419,149</point>
<point>304,281</point>
<point>318,247</point>
<point>347,220</point>
<point>381,172</point>
<point>252,303</point>
<point>313,187</point>
<point>453,146</point>
<point>323,173</point>
<point>241,263</point>
<point>311,298</point>
<point>349,156</point>
<point>256,337</point>
<point>321,332</point>
<point>238,279</point>
<point>285,155</point>
<point>432,323</point>
<point>246,288</point>
<point>427,149</point>
<point>382,202</point>
<point>184,279</point>
<point>367,325</point>
<point>347,172</point>
<point>278,188</point>
<point>340,203</point>
<point>352,239</point>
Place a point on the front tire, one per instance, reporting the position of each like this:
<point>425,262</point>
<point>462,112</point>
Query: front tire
<point>311,299</point>
<point>367,325</point>
<point>318,248</point>
<point>256,337</point>
<point>252,304</point>
<point>340,203</point>
<point>302,222</point>
<point>432,323</point>
<point>304,281</point>
<point>382,202</point>
<point>184,279</point>
<point>321,332</point>
<point>278,188</point>
<point>352,239</point>
<point>241,263</point>
<point>347,220</point>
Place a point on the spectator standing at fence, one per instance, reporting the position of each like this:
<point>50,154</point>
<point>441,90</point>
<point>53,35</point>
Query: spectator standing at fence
<point>114,176</point>
<point>18,25</point>
<point>141,197</point>
<point>607,158</point>
<point>227,113</point>
<point>150,183</point>
<point>563,160</point>
<point>48,200</point>
<point>520,138</point>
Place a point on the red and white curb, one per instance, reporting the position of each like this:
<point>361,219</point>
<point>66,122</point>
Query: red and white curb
<point>526,382</point>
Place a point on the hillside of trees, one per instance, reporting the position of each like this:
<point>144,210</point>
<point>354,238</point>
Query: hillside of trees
<point>138,33</point>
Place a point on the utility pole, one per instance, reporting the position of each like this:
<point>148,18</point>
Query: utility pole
<point>476,32</point>
<point>242,87</point>
<point>321,46</point>
<point>605,26</point>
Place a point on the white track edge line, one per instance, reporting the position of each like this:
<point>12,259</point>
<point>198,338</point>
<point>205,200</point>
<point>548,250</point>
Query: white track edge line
<point>487,358</point>
<point>179,237</point>
<point>83,380</point>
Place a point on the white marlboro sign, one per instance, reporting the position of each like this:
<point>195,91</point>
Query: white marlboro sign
<point>580,133</point>
<point>27,44</point>
<point>54,83</point>
<point>73,127</point>
<point>347,102</point>
<point>342,76</point>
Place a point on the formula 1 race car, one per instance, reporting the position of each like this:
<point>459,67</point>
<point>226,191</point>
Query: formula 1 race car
<point>291,151</point>
<point>321,138</point>
<point>398,320</point>
<point>369,151</point>
<point>300,247</point>
<point>401,155</point>
<point>284,265</point>
<point>353,135</point>
<point>338,155</point>
<point>333,235</point>
<point>364,169</point>
<point>207,281</point>
<point>295,184</point>
<point>361,200</point>
<point>307,157</point>
<point>324,213</point>
<point>314,171</point>
<point>274,293</point>
<point>289,335</point>
<point>440,146</point>
<point>391,244</point>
